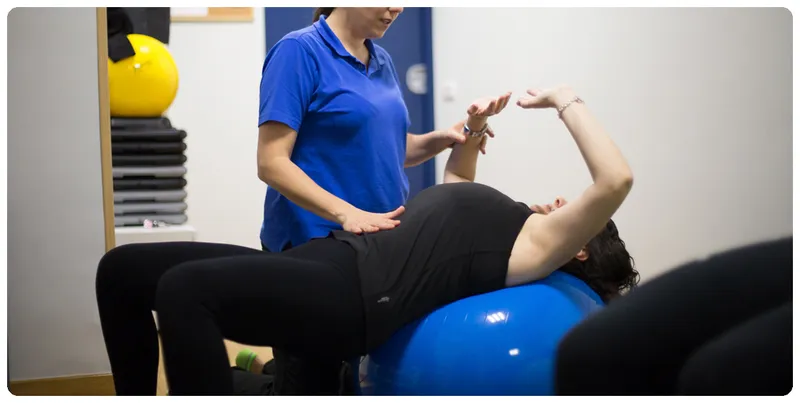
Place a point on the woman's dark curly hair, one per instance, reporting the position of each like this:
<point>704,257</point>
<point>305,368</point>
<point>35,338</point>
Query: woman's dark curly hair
<point>320,11</point>
<point>609,269</point>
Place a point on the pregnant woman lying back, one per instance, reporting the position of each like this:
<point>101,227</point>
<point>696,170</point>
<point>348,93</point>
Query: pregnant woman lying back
<point>343,295</point>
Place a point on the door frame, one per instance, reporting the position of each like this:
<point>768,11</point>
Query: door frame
<point>104,105</point>
<point>429,123</point>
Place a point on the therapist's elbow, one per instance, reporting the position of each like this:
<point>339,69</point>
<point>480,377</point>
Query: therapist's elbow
<point>269,170</point>
<point>263,175</point>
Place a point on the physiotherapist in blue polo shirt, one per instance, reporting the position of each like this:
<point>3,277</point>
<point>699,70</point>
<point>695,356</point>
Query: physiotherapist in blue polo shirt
<point>333,134</point>
<point>333,130</point>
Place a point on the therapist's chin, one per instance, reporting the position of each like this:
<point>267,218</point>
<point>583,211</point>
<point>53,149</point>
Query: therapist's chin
<point>378,33</point>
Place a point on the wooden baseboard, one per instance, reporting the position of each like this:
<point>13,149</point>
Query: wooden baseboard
<point>84,385</point>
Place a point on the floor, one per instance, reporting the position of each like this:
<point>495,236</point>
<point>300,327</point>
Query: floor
<point>233,348</point>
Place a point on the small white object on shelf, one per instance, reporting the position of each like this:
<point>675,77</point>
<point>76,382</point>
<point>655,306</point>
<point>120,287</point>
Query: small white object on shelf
<point>188,11</point>
<point>172,233</point>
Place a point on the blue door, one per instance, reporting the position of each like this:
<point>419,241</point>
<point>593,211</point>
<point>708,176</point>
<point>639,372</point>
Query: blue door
<point>408,40</point>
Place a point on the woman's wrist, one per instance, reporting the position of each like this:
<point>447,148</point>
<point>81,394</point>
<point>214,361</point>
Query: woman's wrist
<point>476,123</point>
<point>562,97</point>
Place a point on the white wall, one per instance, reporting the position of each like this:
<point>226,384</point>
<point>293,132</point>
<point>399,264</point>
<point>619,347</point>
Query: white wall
<point>55,212</point>
<point>219,66</point>
<point>698,99</point>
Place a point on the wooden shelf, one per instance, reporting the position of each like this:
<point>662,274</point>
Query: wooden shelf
<point>126,235</point>
<point>211,14</point>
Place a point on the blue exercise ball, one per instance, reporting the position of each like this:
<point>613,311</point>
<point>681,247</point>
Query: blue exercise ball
<point>498,343</point>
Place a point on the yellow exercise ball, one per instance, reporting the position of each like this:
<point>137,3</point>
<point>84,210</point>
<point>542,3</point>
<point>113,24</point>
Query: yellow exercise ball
<point>143,85</point>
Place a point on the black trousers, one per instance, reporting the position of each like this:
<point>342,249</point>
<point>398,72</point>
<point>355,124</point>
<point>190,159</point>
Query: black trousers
<point>721,326</point>
<point>336,379</point>
<point>305,301</point>
<point>252,384</point>
<point>290,375</point>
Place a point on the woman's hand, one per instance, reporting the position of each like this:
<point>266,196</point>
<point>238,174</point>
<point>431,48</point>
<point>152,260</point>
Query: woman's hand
<point>481,109</point>
<point>360,221</point>
<point>486,107</point>
<point>549,98</point>
<point>478,112</point>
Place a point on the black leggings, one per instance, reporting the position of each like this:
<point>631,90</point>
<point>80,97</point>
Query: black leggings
<point>722,326</point>
<point>306,300</point>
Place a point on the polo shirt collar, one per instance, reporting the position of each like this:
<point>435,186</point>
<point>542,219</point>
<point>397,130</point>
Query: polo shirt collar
<point>333,41</point>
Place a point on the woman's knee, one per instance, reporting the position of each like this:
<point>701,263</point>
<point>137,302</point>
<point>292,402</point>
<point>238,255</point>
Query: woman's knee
<point>117,266</point>
<point>181,285</point>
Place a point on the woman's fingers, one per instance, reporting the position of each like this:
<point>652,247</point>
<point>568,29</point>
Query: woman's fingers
<point>504,101</point>
<point>533,99</point>
<point>490,109</point>
<point>489,106</point>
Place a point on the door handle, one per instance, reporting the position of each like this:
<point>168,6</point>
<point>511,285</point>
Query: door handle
<point>417,79</point>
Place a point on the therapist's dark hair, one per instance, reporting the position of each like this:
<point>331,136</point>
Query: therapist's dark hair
<point>320,11</point>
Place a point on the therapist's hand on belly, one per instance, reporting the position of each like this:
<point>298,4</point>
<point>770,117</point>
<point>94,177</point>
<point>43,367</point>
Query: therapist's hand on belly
<point>276,169</point>
<point>359,221</point>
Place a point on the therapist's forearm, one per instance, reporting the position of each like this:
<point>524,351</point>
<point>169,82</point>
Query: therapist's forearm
<point>420,148</point>
<point>288,179</point>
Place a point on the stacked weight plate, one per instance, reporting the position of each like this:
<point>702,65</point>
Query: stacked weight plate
<point>148,163</point>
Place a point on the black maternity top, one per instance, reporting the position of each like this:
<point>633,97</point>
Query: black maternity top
<point>454,241</point>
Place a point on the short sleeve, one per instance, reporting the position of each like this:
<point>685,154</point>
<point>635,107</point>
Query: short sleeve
<point>288,81</point>
<point>524,207</point>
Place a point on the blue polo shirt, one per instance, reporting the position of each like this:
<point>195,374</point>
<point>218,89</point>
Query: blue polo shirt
<point>351,123</point>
